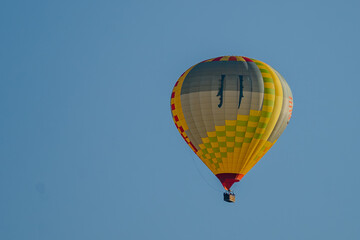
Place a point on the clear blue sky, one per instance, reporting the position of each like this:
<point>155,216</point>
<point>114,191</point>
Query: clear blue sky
<point>88,149</point>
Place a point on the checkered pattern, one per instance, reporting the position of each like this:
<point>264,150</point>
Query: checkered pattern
<point>176,110</point>
<point>239,144</point>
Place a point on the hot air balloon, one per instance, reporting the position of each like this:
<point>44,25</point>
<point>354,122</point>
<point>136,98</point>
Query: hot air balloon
<point>231,110</point>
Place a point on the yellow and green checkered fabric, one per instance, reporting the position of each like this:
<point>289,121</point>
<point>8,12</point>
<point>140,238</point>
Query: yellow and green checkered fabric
<point>230,110</point>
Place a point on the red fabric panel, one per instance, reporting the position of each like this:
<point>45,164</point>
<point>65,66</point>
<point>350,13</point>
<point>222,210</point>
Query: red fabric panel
<point>228,179</point>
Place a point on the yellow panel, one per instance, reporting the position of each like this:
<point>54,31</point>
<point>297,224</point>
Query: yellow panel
<point>211,134</point>
<point>230,122</point>
<point>220,128</point>
<point>239,139</point>
<point>267,108</point>
<point>205,140</point>
<point>269,96</point>
<point>240,59</point>
<point>255,113</point>
<point>249,135</point>
<point>240,128</point>
<point>242,117</point>
<point>214,144</point>
<point>259,155</point>
<point>260,130</point>
<point>230,134</point>
<point>230,144</point>
<point>264,120</point>
<point>268,85</point>
<point>252,124</point>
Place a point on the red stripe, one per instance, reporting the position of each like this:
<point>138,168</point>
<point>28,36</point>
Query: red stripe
<point>176,83</point>
<point>185,138</point>
<point>172,106</point>
<point>181,129</point>
<point>176,118</point>
<point>173,95</point>
<point>290,98</point>
<point>216,59</point>
<point>247,59</point>
<point>193,146</point>
<point>232,58</point>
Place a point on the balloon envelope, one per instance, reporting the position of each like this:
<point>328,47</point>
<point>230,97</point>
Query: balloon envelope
<point>230,110</point>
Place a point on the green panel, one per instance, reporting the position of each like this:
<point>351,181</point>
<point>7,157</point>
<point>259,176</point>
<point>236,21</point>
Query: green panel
<point>264,71</point>
<point>262,125</point>
<point>223,154</point>
<point>220,134</point>
<point>207,145</point>
<point>266,114</point>
<point>230,149</point>
<point>254,118</point>
<point>213,139</point>
<point>268,103</point>
<point>230,139</point>
<point>269,91</point>
<point>250,129</point>
<point>248,140</point>
<point>266,79</point>
<point>230,128</point>
<point>241,123</point>
<point>240,134</point>
<point>238,144</point>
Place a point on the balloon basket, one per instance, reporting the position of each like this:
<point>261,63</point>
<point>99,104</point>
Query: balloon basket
<point>229,197</point>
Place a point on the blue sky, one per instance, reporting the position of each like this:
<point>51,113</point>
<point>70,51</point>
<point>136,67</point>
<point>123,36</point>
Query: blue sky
<point>88,149</point>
